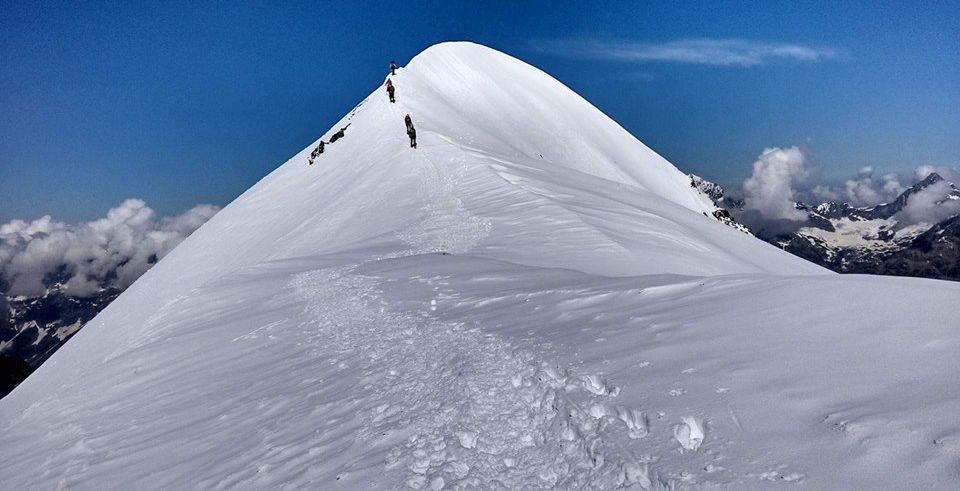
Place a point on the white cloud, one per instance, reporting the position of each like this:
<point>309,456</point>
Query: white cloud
<point>930,205</point>
<point>947,173</point>
<point>769,194</point>
<point>865,189</point>
<point>720,52</point>
<point>860,192</point>
<point>825,193</point>
<point>770,190</point>
<point>125,243</point>
<point>891,186</point>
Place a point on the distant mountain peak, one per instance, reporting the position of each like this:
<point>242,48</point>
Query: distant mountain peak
<point>865,239</point>
<point>931,178</point>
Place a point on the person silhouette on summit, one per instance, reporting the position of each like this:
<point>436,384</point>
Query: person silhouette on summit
<point>393,67</point>
<point>411,131</point>
<point>390,90</point>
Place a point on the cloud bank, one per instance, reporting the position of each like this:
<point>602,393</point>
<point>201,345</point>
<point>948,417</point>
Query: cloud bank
<point>866,189</point>
<point>779,179</point>
<point>111,251</point>
<point>930,205</point>
<point>948,173</point>
<point>770,190</point>
<point>717,52</point>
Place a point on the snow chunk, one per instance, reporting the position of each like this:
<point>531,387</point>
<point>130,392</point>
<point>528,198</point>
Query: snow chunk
<point>689,433</point>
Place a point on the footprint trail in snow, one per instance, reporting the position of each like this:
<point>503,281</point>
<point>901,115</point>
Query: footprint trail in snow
<point>472,410</point>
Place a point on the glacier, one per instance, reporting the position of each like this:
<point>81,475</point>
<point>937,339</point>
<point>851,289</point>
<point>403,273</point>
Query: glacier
<point>531,299</point>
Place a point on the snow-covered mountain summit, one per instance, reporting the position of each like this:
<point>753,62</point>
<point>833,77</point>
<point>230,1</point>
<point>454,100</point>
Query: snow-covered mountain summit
<point>530,299</point>
<point>502,146</point>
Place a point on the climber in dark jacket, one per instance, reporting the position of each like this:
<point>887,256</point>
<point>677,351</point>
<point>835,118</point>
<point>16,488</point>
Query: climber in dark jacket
<point>338,135</point>
<point>411,131</point>
<point>316,151</point>
<point>393,67</point>
<point>390,90</point>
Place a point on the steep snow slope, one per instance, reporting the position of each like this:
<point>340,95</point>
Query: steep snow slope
<point>532,298</point>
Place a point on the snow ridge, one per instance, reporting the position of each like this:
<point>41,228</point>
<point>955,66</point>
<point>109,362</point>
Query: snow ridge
<point>530,299</point>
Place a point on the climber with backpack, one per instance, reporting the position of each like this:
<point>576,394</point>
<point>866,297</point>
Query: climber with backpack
<point>393,67</point>
<point>411,131</point>
<point>316,151</point>
<point>390,90</point>
<point>338,135</point>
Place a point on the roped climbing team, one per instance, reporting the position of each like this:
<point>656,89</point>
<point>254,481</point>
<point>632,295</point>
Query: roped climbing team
<point>391,94</point>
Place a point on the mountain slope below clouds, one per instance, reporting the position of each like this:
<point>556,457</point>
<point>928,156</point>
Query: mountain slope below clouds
<point>913,235</point>
<point>531,299</point>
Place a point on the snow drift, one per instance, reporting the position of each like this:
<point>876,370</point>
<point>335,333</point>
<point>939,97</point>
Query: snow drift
<point>531,299</point>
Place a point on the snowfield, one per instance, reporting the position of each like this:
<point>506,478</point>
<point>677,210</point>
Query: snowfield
<point>531,299</point>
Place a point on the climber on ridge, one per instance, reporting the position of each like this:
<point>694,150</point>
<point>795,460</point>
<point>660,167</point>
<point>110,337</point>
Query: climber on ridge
<point>390,90</point>
<point>411,131</point>
<point>338,135</point>
<point>393,67</point>
<point>316,151</point>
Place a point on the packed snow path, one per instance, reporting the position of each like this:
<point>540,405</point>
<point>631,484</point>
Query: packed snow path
<point>467,408</point>
<point>530,299</point>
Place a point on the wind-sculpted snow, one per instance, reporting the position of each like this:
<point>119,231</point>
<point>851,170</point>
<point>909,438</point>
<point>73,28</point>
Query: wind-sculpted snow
<point>530,299</point>
<point>473,410</point>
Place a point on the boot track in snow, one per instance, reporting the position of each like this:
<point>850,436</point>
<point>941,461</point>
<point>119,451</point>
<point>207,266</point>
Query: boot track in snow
<point>474,411</point>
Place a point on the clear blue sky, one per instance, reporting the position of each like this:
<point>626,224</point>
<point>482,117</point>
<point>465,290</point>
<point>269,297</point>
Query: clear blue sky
<point>186,102</point>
